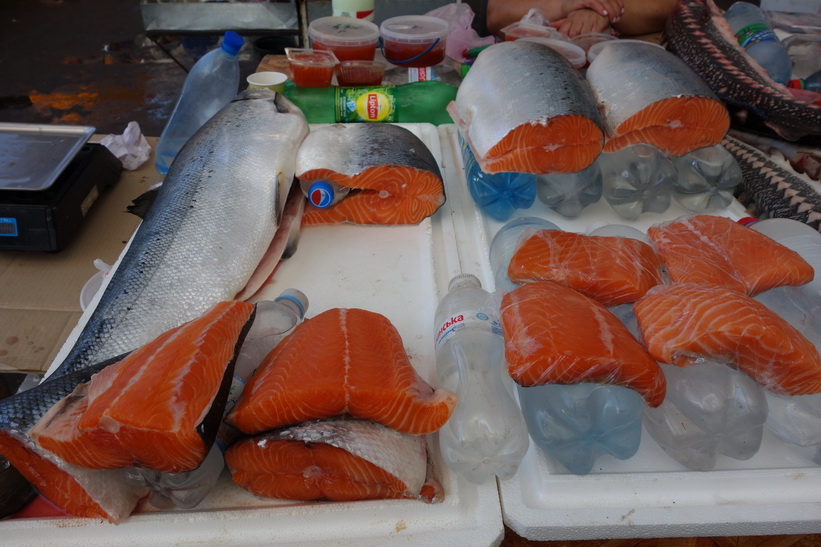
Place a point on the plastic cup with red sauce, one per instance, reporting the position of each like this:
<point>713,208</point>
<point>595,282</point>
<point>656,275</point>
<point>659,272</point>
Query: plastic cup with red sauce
<point>311,67</point>
<point>414,40</point>
<point>350,39</point>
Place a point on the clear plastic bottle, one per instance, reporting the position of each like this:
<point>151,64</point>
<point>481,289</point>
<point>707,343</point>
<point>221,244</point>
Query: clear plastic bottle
<point>706,179</point>
<point>637,179</point>
<point>210,85</point>
<point>497,194</point>
<point>486,435</point>
<point>568,194</point>
<point>756,36</point>
<point>322,193</point>
<point>273,321</point>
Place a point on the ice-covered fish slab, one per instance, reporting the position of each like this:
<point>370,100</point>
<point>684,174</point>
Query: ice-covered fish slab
<point>393,175</point>
<point>649,95</point>
<point>522,107</point>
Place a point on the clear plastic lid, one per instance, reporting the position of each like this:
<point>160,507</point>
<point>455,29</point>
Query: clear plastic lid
<point>414,29</point>
<point>343,31</point>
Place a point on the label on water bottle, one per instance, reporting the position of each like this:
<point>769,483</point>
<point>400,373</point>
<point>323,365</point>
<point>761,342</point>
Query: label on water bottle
<point>365,104</point>
<point>753,34</point>
<point>459,321</point>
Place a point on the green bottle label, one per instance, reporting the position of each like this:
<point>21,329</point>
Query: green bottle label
<point>753,34</point>
<point>365,104</point>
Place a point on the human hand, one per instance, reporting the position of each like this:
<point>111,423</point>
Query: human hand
<point>581,21</point>
<point>611,9</point>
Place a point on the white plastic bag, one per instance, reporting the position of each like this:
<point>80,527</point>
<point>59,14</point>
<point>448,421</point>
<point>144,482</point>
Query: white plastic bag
<point>130,148</point>
<point>461,35</point>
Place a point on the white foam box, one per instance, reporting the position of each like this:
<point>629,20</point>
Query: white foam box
<point>778,491</point>
<point>398,271</point>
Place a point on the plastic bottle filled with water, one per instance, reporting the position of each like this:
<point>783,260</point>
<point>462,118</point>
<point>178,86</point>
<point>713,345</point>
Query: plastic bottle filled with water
<point>706,179</point>
<point>485,436</point>
<point>498,195</point>
<point>568,194</point>
<point>637,179</point>
<point>507,241</point>
<point>758,39</point>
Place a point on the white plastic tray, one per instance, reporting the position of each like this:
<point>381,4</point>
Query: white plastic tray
<point>399,271</point>
<point>778,491</point>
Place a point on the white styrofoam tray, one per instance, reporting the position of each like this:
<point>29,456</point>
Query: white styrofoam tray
<point>778,491</point>
<point>398,271</point>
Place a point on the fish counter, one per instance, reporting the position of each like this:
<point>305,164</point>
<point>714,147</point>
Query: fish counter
<point>403,272</point>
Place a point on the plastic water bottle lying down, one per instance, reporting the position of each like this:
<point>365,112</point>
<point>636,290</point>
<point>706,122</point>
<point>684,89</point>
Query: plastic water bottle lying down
<point>796,419</point>
<point>273,321</point>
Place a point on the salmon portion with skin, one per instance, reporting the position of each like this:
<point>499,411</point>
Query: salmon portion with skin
<point>718,251</point>
<point>684,321</point>
<point>341,362</point>
<point>554,334</point>
<point>611,270</point>
<point>149,409</point>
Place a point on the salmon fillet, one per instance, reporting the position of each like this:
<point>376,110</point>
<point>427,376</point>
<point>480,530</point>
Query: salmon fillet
<point>158,408</point>
<point>554,334</point>
<point>611,270</point>
<point>341,362</point>
<point>716,250</point>
<point>685,321</point>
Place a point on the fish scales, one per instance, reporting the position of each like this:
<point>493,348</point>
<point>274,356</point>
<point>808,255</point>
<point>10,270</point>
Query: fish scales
<point>771,190</point>
<point>211,223</point>
<point>698,34</point>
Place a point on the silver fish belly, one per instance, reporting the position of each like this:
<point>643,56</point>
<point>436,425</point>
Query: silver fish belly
<point>212,221</point>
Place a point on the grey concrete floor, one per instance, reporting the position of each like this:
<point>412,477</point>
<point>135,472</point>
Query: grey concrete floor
<point>89,62</point>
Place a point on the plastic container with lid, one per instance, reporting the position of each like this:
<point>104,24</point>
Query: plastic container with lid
<point>523,29</point>
<point>587,40</point>
<point>310,67</point>
<point>350,39</point>
<point>353,73</point>
<point>414,40</point>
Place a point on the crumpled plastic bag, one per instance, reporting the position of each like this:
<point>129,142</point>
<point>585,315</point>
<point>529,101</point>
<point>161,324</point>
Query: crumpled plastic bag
<point>130,148</point>
<point>461,35</point>
<point>535,16</point>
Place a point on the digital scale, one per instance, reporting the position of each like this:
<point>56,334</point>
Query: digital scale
<point>50,176</point>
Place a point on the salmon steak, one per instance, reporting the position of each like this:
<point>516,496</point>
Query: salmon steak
<point>160,407</point>
<point>648,95</point>
<point>684,322</point>
<point>393,176</point>
<point>556,335</point>
<point>718,251</point>
<point>336,460</point>
<point>611,270</point>
<point>524,108</point>
<point>342,362</point>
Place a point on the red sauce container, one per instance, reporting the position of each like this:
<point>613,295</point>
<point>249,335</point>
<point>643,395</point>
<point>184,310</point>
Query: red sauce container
<point>310,67</point>
<point>359,73</point>
<point>414,40</point>
<point>350,39</point>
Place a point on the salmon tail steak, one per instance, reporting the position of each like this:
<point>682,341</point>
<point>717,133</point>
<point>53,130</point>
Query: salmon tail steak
<point>336,460</point>
<point>648,95</point>
<point>524,108</point>
<point>554,334</point>
<point>611,270</point>
<point>719,251</point>
<point>341,362</point>
<point>683,322</point>
<point>160,407</point>
<point>92,493</point>
<point>393,175</point>
<point>698,34</point>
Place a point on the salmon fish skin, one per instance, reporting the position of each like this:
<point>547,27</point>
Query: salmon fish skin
<point>210,225</point>
<point>697,33</point>
<point>649,95</point>
<point>523,107</point>
<point>395,177</point>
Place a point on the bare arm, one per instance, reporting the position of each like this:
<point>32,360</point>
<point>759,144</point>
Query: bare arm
<point>501,13</point>
<point>643,17</point>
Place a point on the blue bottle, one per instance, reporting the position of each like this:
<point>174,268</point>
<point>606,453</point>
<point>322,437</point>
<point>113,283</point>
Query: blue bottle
<point>497,194</point>
<point>210,85</point>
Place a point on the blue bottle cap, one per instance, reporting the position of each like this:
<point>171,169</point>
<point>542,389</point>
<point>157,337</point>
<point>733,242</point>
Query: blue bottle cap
<point>232,42</point>
<point>321,194</point>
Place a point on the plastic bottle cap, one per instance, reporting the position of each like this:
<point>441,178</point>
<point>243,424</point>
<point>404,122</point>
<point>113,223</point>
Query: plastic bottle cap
<point>297,297</point>
<point>464,279</point>
<point>232,42</point>
<point>321,194</point>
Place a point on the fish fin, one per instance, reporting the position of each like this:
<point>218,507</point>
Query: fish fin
<point>142,203</point>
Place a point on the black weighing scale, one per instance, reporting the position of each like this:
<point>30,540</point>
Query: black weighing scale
<point>50,176</point>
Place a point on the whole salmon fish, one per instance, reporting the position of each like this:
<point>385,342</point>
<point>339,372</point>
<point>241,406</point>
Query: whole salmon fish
<point>207,230</point>
<point>522,107</point>
<point>649,95</point>
<point>698,34</point>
